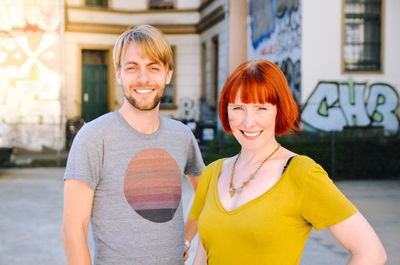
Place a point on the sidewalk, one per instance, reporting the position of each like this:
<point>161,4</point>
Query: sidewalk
<point>31,202</point>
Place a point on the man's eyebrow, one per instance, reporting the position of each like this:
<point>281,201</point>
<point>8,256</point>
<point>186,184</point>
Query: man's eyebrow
<point>149,64</point>
<point>130,62</point>
<point>155,63</point>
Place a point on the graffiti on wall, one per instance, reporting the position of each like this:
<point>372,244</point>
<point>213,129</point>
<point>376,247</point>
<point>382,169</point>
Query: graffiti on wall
<point>334,105</point>
<point>30,67</point>
<point>275,35</point>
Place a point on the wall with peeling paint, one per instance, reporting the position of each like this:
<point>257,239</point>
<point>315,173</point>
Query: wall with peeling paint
<point>30,72</point>
<point>274,34</point>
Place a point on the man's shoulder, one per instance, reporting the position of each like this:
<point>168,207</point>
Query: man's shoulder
<point>174,125</point>
<point>97,125</point>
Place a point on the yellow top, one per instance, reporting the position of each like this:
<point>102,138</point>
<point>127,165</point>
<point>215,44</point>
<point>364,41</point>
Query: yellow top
<point>272,228</point>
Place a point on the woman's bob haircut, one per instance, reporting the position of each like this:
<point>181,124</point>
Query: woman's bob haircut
<point>260,82</point>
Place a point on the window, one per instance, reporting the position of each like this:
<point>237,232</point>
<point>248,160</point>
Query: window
<point>214,73</point>
<point>97,3</point>
<point>362,35</point>
<point>161,4</point>
<point>168,100</point>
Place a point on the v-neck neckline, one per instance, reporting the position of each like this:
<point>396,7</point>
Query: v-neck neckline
<point>250,202</point>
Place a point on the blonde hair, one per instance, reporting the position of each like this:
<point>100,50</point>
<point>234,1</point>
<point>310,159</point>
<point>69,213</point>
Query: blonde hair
<point>150,43</point>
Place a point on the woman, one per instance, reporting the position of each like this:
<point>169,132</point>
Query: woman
<point>259,206</point>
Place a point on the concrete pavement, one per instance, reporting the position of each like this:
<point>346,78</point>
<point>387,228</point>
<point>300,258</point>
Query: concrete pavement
<point>31,202</point>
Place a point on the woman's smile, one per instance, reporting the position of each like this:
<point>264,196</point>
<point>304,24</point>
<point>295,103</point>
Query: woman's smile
<point>251,134</point>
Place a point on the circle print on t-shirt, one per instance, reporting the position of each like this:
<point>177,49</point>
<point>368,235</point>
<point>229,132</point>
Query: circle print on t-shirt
<point>152,185</point>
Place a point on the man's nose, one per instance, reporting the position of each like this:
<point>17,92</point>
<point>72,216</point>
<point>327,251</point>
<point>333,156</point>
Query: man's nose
<point>143,76</point>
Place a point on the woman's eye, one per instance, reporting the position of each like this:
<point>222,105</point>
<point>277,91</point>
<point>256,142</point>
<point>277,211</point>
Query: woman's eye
<point>237,108</point>
<point>262,108</point>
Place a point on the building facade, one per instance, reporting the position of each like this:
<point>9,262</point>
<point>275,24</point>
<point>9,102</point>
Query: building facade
<point>340,58</point>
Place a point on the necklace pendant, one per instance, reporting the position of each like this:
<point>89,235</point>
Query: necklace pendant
<point>232,192</point>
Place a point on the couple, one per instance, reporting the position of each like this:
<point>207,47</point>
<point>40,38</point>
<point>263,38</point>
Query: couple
<point>125,169</point>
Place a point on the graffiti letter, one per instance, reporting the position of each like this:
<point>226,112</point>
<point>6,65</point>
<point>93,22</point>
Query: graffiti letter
<point>352,103</point>
<point>322,111</point>
<point>381,107</point>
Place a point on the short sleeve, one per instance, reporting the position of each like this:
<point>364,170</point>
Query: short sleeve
<point>323,204</point>
<point>202,189</point>
<point>194,165</point>
<point>85,157</point>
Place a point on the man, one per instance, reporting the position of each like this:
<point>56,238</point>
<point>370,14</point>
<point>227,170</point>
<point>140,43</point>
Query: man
<point>125,168</point>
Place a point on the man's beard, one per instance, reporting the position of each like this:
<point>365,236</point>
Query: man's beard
<point>153,105</point>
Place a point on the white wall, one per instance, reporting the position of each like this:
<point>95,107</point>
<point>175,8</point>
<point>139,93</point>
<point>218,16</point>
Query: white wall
<point>129,4</point>
<point>375,99</point>
<point>392,43</point>
<point>112,18</point>
<point>187,4</point>
<point>322,33</point>
<point>321,47</point>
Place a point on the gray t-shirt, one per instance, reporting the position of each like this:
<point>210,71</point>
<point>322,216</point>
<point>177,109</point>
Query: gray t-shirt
<point>137,215</point>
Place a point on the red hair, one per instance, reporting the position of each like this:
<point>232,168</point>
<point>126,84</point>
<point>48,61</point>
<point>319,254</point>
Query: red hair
<point>261,81</point>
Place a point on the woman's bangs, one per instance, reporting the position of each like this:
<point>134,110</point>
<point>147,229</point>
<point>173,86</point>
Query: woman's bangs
<point>254,91</point>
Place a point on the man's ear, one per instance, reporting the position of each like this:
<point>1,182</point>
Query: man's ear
<point>169,76</point>
<point>118,75</point>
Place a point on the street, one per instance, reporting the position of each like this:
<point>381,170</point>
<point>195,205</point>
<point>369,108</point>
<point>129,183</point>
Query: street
<point>31,203</point>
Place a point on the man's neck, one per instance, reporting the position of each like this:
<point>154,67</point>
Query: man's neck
<point>146,122</point>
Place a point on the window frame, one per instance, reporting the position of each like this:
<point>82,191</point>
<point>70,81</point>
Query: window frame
<point>343,42</point>
<point>173,105</point>
<point>150,6</point>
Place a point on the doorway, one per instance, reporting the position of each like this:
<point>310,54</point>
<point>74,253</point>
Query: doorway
<point>94,84</point>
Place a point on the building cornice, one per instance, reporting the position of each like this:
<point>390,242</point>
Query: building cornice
<point>132,12</point>
<point>211,19</point>
<point>80,25</point>
<point>118,29</point>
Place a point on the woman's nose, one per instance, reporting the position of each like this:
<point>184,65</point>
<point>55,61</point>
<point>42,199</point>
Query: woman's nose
<point>248,119</point>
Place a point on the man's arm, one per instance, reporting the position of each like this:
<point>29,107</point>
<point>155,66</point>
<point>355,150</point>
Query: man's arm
<point>78,200</point>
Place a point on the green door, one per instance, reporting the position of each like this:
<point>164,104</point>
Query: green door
<point>94,91</point>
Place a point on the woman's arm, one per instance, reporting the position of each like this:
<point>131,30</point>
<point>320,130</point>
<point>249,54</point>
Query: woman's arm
<point>201,255</point>
<point>358,237</point>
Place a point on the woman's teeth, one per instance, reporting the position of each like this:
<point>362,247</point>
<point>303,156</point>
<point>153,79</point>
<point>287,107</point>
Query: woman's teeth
<point>251,134</point>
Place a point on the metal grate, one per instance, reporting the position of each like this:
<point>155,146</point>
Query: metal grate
<point>362,42</point>
<point>161,4</point>
<point>97,3</point>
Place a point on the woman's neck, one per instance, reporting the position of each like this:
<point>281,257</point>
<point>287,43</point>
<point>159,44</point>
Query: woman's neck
<point>257,155</point>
